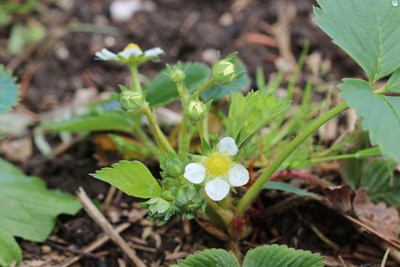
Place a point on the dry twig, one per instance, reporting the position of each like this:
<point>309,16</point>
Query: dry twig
<point>96,215</point>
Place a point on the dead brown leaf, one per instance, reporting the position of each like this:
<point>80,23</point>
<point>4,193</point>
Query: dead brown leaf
<point>339,197</point>
<point>377,216</point>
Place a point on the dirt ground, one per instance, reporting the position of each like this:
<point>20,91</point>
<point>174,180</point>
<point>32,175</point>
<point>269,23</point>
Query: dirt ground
<point>266,33</point>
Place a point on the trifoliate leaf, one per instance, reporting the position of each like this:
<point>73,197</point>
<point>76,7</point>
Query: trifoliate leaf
<point>8,90</point>
<point>131,177</point>
<point>380,115</point>
<point>247,114</point>
<point>9,249</point>
<point>368,30</point>
<point>28,209</point>
<point>278,256</point>
<point>209,257</point>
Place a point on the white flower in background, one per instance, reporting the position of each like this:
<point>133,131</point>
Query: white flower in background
<point>131,54</point>
<point>122,10</point>
<point>218,171</point>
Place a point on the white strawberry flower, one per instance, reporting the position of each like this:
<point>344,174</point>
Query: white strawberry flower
<point>218,171</point>
<point>131,54</point>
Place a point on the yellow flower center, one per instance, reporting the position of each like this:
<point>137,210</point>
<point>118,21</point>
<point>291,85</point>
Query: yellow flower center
<point>132,45</point>
<point>218,165</point>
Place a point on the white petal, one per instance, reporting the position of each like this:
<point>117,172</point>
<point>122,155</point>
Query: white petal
<point>130,52</point>
<point>154,52</point>
<point>227,145</point>
<point>217,189</point>
<point>195,173</point>
<point>238,175</point>
<point>106,54</point>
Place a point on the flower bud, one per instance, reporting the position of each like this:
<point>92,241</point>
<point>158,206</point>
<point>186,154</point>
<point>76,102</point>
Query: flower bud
<point>131,101</point>
<point>174,167</point>
<point>196,110</point>
<point>175,73</point>
<point>224,71</point>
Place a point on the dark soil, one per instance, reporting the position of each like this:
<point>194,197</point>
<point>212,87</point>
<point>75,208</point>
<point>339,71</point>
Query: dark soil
<point>54,70</point>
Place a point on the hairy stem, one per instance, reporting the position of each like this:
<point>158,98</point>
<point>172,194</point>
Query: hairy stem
<point>135,78</point>
<point>159,136</point>
<point>205,85</point>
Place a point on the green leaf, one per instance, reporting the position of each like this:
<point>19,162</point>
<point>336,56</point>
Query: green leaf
<point>379,177</point>
<point>217,91</point>
<point>278,256</point>
<point>288,188</point>
<point>209,257</point>
<point>131,177</point>
<point>247,114</point>
<point>106,121</point>
<point>28,209</point>
<point>393,84</point>
<point>380,115</point>
<point>162,91</point>
<point>9,249</point>
<point>367,30</point>
<point>8,90</point>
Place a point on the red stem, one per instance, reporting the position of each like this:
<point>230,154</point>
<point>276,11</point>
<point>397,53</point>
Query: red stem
<point>301,175</point>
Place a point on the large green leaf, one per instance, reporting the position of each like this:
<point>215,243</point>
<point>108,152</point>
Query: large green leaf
<point>209,257</point>
<point>162,90</point>
<point>380,115</point>
<point>131,177</point>
<point>9,91</point>
<point>368,30</point>
<point>9,249</point>
<point>117,120</point>
<point>278,256</point>
<point>28,209</point>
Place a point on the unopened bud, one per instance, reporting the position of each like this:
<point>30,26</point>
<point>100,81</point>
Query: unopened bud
<point>196,110</point>
<point>224,72</point>
<point>176,74</point>
<point>174,167</point>
<point>131,101</point>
